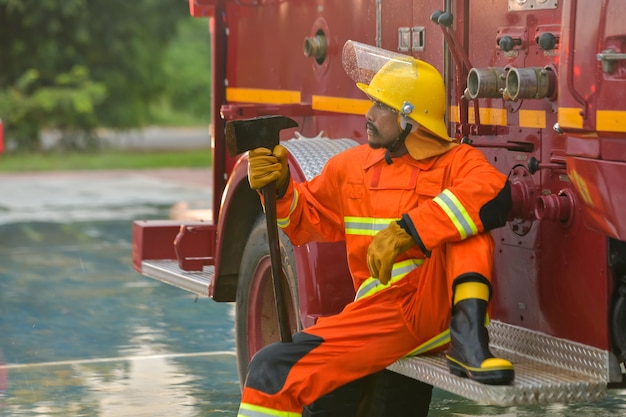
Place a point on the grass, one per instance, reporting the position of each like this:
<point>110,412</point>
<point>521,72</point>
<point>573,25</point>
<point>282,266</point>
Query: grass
<point>109,159</point>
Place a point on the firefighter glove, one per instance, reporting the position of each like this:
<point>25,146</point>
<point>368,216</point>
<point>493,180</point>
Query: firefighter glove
<point>385,247</point>
<point>265,166</point>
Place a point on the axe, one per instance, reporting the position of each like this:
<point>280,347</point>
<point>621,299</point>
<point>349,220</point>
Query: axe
<point>263,132</point>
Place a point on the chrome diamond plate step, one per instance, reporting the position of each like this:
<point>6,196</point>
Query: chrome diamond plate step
<point>169,272</point>
<point>547,370</point>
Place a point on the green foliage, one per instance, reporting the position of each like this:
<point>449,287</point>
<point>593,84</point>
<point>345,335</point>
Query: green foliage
<point>129,39</point>
<point>77,64</point>
<point>186,65</point>
<point>67,105</point>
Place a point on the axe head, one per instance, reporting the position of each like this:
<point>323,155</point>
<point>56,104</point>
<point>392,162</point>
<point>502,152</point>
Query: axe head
<point>259,132</point>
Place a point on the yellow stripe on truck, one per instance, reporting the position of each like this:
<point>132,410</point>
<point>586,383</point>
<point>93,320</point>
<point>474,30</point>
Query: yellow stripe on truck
<point>489,116</point>
<point>611,121</point>
<point>259,95</point>
<point>532,118</point>
<point>570,118</point>
<point>340,104</point>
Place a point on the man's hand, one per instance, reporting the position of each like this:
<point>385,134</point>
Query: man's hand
<point>386,246</point>
<point>265,166</point>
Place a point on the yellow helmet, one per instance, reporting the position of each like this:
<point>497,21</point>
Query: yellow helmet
<point>415,89</point>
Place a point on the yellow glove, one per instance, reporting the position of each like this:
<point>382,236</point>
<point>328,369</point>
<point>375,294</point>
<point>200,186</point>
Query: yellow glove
<point>265,167</point>
<point>386,246</point>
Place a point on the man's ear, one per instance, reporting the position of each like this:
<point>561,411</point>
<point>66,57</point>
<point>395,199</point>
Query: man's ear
<point>404,121</point>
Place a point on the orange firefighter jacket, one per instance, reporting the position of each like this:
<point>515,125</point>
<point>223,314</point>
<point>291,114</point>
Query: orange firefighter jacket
<point>444,198</point>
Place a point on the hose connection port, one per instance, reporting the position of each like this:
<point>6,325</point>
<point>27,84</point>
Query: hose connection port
<point>315,46</point>
<point>557,207</point>
<point>532,83</point>
<point>485,83</point>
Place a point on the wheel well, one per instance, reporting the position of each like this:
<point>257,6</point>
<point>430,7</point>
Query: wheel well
<point>242,205</point>
<point>241,208</point>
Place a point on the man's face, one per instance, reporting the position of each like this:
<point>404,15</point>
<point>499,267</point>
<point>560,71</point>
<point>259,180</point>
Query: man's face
<point>381,125</point>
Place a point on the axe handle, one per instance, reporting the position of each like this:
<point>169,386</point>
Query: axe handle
<point>269,196</point>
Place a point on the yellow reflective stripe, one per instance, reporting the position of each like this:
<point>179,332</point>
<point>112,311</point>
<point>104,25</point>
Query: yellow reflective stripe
<point>570,117</point>
<point>457,213</point>
<point>437,341</point>
<point>263,95</point>
<point>441,339</point>
<point>340,104</point>
<point>398,271</point>
<point>367,288</point>
<point>611,120</point>
<point>366,226</point>
<point>249,410</point>
<point>489,116</point>
<point>531,118</point>
<point>284,222</point>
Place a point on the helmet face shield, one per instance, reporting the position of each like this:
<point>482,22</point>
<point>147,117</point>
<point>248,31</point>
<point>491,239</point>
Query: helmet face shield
<point>413,88</point>
<point>361,61</point>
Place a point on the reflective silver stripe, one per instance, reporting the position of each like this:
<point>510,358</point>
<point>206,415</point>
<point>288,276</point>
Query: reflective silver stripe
<point>367,286</point>
<point>372,285</point>
<point>437,341</point>
<point>366,226</point>
<point>251,413</point>
<point>457,213</point>
<point>284,222</point>
<point>250,410</point>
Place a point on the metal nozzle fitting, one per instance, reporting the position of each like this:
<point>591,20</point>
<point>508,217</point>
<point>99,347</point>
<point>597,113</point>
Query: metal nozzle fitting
<point>532,83</point>
<point>485,82</point>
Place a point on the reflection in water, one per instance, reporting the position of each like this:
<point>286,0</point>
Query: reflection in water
<point>134,386</point>
<point>84,335</point>
<point>132,390</point>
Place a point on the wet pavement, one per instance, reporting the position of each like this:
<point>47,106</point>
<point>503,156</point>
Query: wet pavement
<point>100,195</point>
<point>82,334</point>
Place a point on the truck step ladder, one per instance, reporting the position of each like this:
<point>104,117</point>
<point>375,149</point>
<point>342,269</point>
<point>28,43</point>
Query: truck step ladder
<point>547,369</point>
<point>168,271</point>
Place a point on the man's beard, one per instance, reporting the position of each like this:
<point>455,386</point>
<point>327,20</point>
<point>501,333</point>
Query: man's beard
<point>370,125</point>
<point>389,146</point>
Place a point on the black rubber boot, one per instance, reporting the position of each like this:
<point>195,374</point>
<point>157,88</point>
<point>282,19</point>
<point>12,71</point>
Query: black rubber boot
<point>469,355</point>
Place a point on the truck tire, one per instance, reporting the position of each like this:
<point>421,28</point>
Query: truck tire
<point>256,321</point>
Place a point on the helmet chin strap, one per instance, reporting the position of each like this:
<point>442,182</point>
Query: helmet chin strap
<point>392,147</point>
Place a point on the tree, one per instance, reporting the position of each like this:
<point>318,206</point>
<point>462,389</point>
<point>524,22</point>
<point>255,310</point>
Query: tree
<point>117,46</point>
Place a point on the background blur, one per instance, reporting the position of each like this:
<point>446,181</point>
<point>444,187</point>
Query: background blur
<point>77,67</point>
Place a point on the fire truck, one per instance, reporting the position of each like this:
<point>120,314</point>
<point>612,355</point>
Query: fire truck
<point>539,86</point>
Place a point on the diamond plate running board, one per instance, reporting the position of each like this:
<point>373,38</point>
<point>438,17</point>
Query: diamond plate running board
<point>547,370</point>
<point>169,272</point>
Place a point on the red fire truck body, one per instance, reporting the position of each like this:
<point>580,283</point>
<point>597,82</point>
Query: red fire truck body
<point>537,85</point>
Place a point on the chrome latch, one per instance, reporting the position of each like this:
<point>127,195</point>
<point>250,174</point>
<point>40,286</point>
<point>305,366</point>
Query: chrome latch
<point>608,58</point>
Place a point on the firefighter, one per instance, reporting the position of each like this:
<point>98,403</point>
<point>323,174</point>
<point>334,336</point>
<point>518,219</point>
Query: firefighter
<point>415,209</point>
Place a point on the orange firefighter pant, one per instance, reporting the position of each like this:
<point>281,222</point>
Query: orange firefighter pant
<point>366,337</point>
